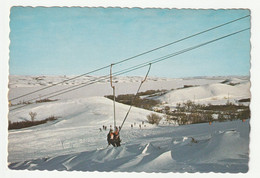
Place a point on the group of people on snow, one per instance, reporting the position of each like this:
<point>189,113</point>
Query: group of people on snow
<point>113,138</point>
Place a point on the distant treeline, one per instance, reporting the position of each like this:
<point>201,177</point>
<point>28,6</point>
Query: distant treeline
<point>190,112</point>
<point>139,101</point>
<point>24,124</point>
<point>187,112</point>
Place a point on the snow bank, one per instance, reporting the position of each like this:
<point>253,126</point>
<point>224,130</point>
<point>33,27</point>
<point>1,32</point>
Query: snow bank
<point>225,149</point>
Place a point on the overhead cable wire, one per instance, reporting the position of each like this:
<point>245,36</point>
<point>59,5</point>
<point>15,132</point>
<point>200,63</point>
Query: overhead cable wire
<point>145,64</point>
<point>135,96</point>
<point>92,81</point>
<point>127,59</point>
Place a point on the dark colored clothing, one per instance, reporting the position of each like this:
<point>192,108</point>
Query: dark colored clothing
<point>117,139</point>
<point>110,139</point>
<point>113,139</point>
<point>117,142</point>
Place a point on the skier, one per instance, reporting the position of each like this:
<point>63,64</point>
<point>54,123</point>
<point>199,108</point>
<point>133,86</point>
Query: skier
<point>117,137</point>
<point>110,138</point>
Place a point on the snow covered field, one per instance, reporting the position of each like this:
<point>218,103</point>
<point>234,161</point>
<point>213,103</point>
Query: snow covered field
<point>20,85</point>
<point>221,147</point>
<point>74,141</point>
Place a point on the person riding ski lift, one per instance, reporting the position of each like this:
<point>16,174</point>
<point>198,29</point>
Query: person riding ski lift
<point>110,138</point>
<point>117,137</point>
<point>114,138</point>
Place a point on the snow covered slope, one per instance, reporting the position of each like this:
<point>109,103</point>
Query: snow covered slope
<point>74,141</point>
<point>76,130</point>
<point>220,147</point>
<point>216,93</point>
<point>20,85</point>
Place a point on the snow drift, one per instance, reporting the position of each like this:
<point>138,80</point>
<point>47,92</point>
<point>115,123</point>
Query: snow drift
<point>75,141</point>
<point>218,150</point>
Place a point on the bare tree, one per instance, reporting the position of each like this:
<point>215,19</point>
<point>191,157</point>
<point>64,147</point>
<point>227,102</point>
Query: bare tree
<point>33,115</point>
<point>153,118</point>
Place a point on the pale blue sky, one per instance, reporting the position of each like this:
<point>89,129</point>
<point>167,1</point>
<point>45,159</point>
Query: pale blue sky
<point>71,41</point>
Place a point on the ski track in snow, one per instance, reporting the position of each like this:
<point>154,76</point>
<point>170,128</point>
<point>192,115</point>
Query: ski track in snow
<point>74,142</point>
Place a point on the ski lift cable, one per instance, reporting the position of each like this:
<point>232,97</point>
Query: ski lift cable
<point>44,88</point>
<point>114,95</point>
<point>145,64</point>
<point>132,102</point>
<point>127,59</point>
<point>87,84</point>
<point>105,77</point>
<point>203,44</point>
<point>92,81</point>
<point>102,78</point>
<point>159,60</point>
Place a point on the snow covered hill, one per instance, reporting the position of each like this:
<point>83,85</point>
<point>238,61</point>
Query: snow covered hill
<point>216,93</point>
<point>76,130</point>
<point>20,85</point>
<point>75,142</point>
